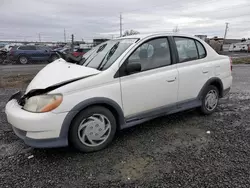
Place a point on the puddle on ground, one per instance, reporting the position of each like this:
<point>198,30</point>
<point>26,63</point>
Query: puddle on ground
<point>134,168</point>
<point>185,138</point>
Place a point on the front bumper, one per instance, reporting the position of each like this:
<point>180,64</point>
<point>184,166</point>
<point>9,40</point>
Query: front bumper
<point>40,130</point>
<point>41,143</point>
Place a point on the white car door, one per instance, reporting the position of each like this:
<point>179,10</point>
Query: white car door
<point>193,68</point>
<point>155,86</point>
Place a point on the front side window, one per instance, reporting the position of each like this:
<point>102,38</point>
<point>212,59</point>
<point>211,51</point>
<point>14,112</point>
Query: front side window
<point>186,48</point>
<point>152,54</point>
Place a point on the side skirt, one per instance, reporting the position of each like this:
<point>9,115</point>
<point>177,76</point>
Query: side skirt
<point>162,111</point>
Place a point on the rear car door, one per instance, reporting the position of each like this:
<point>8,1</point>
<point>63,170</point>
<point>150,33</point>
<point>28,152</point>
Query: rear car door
<point>32,52</point>
<point>194,70</point>
<point>155,86</point>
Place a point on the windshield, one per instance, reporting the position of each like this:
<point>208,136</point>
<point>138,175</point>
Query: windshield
<point>104,55</point>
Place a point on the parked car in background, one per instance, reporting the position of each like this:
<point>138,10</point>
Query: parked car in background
<point>28,53</point>
<point>116,85</point>
<point>3,55</point>
<point>79,52</point>
<point>240,47</point>
<point>2,45</point>
<point>8,47</point>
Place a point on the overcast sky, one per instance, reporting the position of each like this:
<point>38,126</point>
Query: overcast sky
<point>25,19</point>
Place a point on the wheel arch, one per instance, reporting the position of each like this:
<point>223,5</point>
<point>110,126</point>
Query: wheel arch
<point>215,81</point>
<point>20,55</point>
<point>53,54</point>
<point>97,101</point>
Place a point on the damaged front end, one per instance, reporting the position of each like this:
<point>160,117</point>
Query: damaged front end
<point>21,98</point>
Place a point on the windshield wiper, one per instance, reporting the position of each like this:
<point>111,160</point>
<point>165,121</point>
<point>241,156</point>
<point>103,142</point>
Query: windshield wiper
<point>99,50</point>
<point>108,55</point>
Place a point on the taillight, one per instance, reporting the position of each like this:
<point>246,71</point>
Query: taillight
<point>231,63</point>
<point>11,51</point>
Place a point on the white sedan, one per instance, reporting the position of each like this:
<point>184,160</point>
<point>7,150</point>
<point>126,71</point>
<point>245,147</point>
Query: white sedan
<point>118,84</point>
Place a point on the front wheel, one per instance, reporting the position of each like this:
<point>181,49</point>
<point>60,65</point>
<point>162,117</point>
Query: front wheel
<point>210,100</point>
<point>93,129</point>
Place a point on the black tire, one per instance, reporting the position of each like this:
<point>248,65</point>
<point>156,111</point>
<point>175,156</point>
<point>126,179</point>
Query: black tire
<point>22,59</point>
<point>203,109</point>
<point>73,132</point>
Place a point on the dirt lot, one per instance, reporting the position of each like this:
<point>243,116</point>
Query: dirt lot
<point>181,150</point>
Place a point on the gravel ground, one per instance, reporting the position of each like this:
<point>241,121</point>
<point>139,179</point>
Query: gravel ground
<point>181,150</point>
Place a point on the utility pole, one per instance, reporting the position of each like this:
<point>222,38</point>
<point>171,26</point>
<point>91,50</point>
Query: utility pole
<point>64,35</point>
<point>72,42</point>
<point>39,37</point>
<point>120,24</point>
<point>226,29</point>
<point>176,29</point>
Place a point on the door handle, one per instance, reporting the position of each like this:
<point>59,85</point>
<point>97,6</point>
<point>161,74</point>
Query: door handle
<point>205,71</point>
<point>172,80</point>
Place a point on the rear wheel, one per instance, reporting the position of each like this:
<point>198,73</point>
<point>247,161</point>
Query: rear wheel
<point>53,58</point>
<point>210,100</point>
<point>93,129</point>
<point>23,60</point>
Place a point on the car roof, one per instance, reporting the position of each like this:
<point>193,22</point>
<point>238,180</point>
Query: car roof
<point>27,45</point>
<point>142,36</point>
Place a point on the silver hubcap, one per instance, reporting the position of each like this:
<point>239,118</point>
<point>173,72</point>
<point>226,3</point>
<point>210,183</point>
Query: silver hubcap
<point>94,130</point>
<point>23,60</point>
<point>211,100</point>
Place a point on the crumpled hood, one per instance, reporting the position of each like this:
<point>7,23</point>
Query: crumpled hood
<point>57,72</point>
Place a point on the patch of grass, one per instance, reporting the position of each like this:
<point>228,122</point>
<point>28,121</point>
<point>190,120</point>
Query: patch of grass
<point>20,81</point>
<point>244,60</point>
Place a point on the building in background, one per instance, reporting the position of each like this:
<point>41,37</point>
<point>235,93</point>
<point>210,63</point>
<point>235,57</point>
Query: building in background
<point>243,46</point>
<point>202,37</point>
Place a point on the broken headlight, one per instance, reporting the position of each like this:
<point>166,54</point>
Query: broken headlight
<point>43,103</point>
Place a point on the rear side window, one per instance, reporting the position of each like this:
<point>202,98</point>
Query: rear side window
<point>201,50</point>
<point>21,48</point>
<point>186,48</point>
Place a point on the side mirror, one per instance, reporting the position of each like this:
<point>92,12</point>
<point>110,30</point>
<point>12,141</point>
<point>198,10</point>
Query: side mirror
<point>132,68</point>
